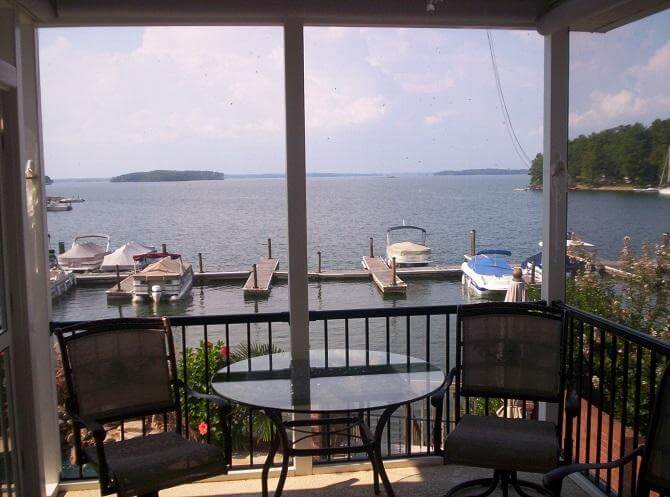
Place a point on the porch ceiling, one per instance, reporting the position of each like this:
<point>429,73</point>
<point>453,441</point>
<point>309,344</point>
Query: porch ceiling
<point>544,15</point>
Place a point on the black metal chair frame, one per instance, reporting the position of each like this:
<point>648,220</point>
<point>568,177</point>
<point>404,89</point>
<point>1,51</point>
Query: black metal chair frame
<point>552,480</point>
<point>569,405</point>
<point>95,426</point>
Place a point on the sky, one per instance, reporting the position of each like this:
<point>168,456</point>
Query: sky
<point>378,100</point>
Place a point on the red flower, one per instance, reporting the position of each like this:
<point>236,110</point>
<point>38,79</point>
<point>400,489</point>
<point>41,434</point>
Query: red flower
<point>203,428</point>
<point>210,344</point>
<point>223,351</point>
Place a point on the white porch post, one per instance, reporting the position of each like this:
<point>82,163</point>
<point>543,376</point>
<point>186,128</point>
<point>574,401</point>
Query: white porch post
<point>555,175</point>
<point>294,80</point>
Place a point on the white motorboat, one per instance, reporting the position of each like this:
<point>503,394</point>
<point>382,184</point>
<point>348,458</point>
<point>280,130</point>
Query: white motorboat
<point>650,190</point>
<point>168,278</point>
<point>487,272</point>
<point>72,200</point>
<point>58,206</point>
<point>125,257</point>
<point>85,255</point>
<point>61,281</point>
<point>408,245</point>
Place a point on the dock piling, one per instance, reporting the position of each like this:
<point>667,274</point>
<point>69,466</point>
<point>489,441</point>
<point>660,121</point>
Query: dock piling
<point>164,248</point>
<point>318,254</point>
<point>255,270</point>
<point>372,252</point>
<point>395,275</point>
<point>473,242</point>
<point>200,262</point>
<point>118,278</point>
<point>61,247</point>
<point>269,248</point>
<point>665,241</point>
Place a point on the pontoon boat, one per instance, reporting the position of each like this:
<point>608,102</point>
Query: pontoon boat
<point>124,257</point>
<point>168,278</point>
<point>408,245</point>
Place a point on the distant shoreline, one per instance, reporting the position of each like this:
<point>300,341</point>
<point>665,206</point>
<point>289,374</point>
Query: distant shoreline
<point>579,187</point>
<point>482,172</point>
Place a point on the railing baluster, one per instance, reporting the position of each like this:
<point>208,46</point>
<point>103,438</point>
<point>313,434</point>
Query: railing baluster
<point>612,399</point>
<point>185,374</point>
<point>270,350</point>
<point>367,342</point>
<point>207,380</point>
<point>249,346</point>
<point>228,351</point>
<point>408,348</point>
<point>624,413</point>
<point>591,335</point>
<point>636,415</point>
<point>447,352</point>
<point>346,342</point>
<point>601,402</point>
<point>325,341</point>
<point>388,340</point>
<point>580,390</point>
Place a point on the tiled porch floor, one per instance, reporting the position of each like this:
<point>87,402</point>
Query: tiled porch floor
<point>422,481</point>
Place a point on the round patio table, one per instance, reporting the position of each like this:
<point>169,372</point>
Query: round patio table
<point>334,390</point>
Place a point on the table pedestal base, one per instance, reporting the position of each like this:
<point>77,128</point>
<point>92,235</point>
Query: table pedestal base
<point>370,443</point>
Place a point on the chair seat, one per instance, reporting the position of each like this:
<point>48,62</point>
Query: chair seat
<point>505,444</point>
<point>147,464</point>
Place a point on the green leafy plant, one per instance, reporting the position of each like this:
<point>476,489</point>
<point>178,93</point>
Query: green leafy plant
<point>201,364</point>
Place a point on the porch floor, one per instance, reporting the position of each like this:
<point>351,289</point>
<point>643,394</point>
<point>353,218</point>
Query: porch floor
<point>421,481</point>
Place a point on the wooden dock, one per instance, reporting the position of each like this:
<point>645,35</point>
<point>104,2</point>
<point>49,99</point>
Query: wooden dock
<point>123,290</point>
<point>258,285</point>
<point>382,275</point>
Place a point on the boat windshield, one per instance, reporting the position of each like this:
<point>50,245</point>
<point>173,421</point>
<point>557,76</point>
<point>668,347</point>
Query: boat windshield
<point>406,234</point>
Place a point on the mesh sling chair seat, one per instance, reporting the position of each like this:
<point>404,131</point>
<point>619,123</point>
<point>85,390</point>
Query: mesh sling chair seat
<point>121,369</point>
<point>505,351</point>
<point>654,469</point>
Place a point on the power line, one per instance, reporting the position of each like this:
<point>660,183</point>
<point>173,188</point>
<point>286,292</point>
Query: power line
<point>516,144</point>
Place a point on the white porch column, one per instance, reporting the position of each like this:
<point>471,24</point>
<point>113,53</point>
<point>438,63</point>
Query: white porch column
<point>36,243</point>
<point>555,174</point>
<point>294,80</point>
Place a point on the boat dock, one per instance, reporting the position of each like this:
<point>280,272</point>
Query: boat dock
<point>384,277</point>
<point>122,290</point>
<point>259,280</point>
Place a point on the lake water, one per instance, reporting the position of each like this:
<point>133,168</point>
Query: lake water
<point>229,222</point>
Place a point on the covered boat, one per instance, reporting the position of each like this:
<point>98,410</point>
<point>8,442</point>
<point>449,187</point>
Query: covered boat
<point>489,271</point>
<point>125,257</point>
<point>85,254</point>
<point>407,244</point>
<point>168,278</point>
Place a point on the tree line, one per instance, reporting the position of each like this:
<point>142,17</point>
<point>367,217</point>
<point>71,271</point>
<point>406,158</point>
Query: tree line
<point>630,153</point>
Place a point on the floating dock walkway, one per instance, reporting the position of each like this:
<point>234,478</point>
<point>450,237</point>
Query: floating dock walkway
<point>260,279</point>
<point>384,277</point>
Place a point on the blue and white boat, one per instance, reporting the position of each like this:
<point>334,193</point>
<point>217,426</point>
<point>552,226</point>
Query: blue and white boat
<point>489,271</point>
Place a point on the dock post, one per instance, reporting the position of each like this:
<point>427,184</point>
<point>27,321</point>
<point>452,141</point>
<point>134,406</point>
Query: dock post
<point>269,248</point>
<point>318,254</point>
<point>372,252</point>
<point>394,273</point>
<point>118,278</point>
<point>665,241</point>
<point>255,276</point>
<point>164,248</point>
<point>473,241</point>
<point>61,247</point>
<point>200,261</point>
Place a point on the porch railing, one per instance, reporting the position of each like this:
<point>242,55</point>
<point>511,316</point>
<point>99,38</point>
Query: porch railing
<point>613,368</point>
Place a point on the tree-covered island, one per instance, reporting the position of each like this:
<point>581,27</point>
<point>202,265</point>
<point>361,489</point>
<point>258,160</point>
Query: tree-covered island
<point>165,175</point>
<point>617,158</point>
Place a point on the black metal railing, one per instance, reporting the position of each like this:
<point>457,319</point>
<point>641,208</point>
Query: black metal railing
<point>613,368</point>
<point>615,371</point>
<point>424,332</point>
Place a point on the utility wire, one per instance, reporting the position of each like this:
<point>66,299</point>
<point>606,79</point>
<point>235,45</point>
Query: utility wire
<point>516,144</point>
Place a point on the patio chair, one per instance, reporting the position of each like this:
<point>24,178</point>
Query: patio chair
<point>121,369</point>
<point>513,352</point>
<point>654,473</point>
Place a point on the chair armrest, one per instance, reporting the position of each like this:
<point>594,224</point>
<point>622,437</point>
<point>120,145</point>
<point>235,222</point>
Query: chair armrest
<point>99,435</point>
<point>555,477</point>
<point>436,398</point>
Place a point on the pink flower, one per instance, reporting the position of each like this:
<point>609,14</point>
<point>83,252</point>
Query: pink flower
<point>223,351</point>
<point>203,428</point>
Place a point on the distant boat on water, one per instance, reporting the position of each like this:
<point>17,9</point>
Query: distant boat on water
<point>58,206</point>
<point>665,174</point>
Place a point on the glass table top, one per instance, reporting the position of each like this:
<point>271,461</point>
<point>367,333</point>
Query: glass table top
<point>384,380</point>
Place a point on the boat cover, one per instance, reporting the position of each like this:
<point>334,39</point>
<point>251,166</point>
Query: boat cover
<point>490,265</point>
<point>81,252</point>
<point>165,268</point>
<point>571,265</point>
<point>408,248</point>
<point>123,256</point>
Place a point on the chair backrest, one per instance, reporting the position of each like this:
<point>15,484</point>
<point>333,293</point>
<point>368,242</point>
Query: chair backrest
<point>119,368</point>
<point>511,351</point>
<point>655,473</point>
